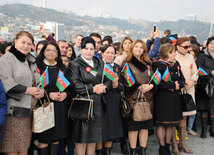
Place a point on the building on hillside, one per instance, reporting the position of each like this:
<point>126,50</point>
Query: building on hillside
<point>57,28</point>
<point>212,28</point>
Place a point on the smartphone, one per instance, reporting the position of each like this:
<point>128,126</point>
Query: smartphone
<point>154,26</point>
<point>36,27</point>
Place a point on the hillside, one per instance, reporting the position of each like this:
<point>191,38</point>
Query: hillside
<point>181,27</point>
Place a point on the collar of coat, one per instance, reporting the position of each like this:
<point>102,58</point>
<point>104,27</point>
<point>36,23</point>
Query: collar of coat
<point>21,57</point>
<point>138,64</point>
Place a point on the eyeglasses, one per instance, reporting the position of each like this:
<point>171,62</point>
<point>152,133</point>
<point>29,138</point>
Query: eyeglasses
<point>186,47</point>
<point>49,50</point>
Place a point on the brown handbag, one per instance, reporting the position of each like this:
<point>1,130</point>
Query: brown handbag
<point>141,109</point>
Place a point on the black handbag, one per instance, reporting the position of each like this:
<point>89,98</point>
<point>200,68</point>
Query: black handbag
<point>187,102</point>
<point>81,108</point>
<point>209,88</point>
<point>125,106</point>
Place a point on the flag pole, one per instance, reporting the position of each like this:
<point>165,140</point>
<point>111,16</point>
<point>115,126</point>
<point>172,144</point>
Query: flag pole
<point>152,76</point>
<point>103,73</point>
<point>123,68</point>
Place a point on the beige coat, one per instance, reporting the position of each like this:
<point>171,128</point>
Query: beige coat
<point>189,70</point>
<point>119,59</point>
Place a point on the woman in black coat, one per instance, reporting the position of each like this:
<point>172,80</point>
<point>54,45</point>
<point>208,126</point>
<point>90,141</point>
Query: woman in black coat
<point>205,104</point>
<point>112,97</point>
<point>167,107</point>
<point>87,71</point>
<point>49,140</point>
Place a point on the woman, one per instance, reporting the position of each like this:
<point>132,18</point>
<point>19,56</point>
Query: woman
<point>87,72</point>
<point>39,46</point>
<point>189,70</point>
<point>205,104</point>
<point>50,58</point>
<point>138,62</point>
<point>124,50</point>
<point>114,123</point>
<point>71,53</point>
<point>167,112</point>
<point>17,78</point>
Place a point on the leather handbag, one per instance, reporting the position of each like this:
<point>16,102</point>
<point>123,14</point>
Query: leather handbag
<point>81,108</point>
<point>209,88</point>
<point>125,106</point>
<point>187,102</point>
<point>141,109</point>
<point>43,116</point>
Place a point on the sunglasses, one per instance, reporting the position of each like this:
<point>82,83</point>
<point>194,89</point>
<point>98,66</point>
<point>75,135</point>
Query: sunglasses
<point>186,47</point>
<point>49,50</point>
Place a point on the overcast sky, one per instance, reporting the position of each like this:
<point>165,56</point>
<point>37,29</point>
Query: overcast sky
<point>153,10</point>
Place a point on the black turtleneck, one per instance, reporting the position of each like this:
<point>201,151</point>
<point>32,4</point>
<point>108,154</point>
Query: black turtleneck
<point>20,56</point>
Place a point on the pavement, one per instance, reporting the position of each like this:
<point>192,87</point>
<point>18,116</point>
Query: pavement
<point>199,146</point>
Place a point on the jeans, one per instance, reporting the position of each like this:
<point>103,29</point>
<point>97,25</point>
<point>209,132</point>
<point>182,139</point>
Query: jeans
<point>70,146</point>
<point>191,120</point>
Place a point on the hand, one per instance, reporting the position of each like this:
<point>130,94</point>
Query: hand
<point>32,91</point>
<point>146,87</point>
<point>99,89</point>
<point>177,86</point>
<point>156,33</point>
<point>55,96</point>
<point>189,84</point>
<point>62,96</point>
<point>212,73</point>
<point>39,94</point>
<point>115,83</point>
<point>152,35</point>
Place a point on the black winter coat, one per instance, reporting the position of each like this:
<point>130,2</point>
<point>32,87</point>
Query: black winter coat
<point>92,131</point>
<point>205,61</point>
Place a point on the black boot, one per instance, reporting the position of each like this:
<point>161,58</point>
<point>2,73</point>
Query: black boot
<point>168,149</point>
<point>99,152</point>
<point>124,148</point>
<point>142,151</point>
<point>204,127</point>
<point>162,150</point>
<point>133,151</point>
<point>54,149</point>
<point>107,151</point>
<point>42,151</point>
<point>212,127</point>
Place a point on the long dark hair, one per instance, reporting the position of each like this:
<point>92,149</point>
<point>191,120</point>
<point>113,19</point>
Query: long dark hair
<point>41,56</point>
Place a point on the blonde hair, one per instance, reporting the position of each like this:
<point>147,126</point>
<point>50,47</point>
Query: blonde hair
<point>121,44</point>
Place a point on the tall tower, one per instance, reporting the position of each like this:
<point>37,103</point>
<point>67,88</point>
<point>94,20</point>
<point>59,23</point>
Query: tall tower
<point>44,3</point>
<point>212,28</point>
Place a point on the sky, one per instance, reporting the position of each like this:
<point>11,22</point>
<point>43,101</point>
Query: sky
<point>152,10</point>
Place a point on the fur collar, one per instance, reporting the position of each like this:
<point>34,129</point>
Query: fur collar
<point>21,57</point>
<point>138,64</point>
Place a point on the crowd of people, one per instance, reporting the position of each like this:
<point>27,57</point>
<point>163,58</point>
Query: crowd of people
<point>156,71</point>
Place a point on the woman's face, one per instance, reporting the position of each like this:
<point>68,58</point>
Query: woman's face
<point>211,46</point>
<point>171,56</point>
<point>88,51</point>
<point>51,53</point>
<point>192,52</point>
<point>70,52</point>
<point>138,50</point>
<point>109,55</point>
<point>184,47</point>
<point>126,45</point>
<point>23,44</point>
<point>39,49</point>
<point>65,61</point>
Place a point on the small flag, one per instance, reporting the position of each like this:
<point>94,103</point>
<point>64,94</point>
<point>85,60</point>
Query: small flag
<point>109,73</point>
<point>62,83</point>
<point>156,77</point>
<point>130,79</point>
<point>201,72</point>
<point>166,75</point>
<point>93,72</point>
<point>44,79</point>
